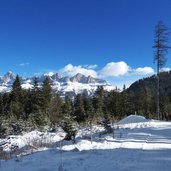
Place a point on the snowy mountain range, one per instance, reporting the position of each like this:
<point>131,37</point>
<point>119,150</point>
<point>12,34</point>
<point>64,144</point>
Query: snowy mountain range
<point>65,85</point>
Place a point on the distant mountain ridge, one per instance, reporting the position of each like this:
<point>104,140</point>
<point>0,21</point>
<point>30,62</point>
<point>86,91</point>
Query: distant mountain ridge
<point>8,77</point>
<point>150,83</point>
<point>78,83</point>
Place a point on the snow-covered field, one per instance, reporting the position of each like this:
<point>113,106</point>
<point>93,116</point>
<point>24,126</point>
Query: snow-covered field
<point>138,145</point>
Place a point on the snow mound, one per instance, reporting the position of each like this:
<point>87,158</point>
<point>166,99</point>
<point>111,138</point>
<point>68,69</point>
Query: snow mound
<point>133,119</point>
<point>34,138</point>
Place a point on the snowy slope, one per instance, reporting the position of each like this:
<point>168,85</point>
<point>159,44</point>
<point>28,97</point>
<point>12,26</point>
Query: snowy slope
<point>132,119</point>
<point>31,138</point>
<point>136,148</point>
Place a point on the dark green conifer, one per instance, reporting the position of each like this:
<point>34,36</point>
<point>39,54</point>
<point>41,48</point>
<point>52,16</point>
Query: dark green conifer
<point>79,112</point>
<point>46,95</point>
<point>16,98</point>
<point>55,113</point>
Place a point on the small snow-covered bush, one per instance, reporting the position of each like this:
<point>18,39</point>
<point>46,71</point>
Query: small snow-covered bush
<point>69,126</point>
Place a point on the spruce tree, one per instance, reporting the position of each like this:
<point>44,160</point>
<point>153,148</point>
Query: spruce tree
<point>36,97</point>
<point>90,114</point>
<point>6,104</point>
<point>79,112</point>
<point>2,129</point>
<point>125,102</point>
<point>69,126</point>
<point>68,121</point>
<point>114,107</point>
<point>67,108</point>
<point>16,97</point>
<point>99,101</point>
<point>89,108</point>
<point>107,124</point>
<point>27,103</point>
<point>40,102</point>
<point>1,105</point>
<point>46,94</point>
<point>55,113</point>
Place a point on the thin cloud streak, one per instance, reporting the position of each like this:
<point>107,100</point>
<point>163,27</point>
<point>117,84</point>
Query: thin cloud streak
<point>24,64</point>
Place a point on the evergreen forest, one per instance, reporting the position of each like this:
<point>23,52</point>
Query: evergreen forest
<point>42,109</point>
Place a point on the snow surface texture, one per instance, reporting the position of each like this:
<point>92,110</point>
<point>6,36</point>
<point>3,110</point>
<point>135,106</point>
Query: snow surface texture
<point>133,119</point>
<point>32,138</point>
<point>136,146</point>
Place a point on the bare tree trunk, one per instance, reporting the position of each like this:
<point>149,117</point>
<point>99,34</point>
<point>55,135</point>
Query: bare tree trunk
<point>91,132</point>
<point>161,46</point>
<point>61,166</point>
<point>158,96</point>
<point>158,85</point>
<point>113,127</point>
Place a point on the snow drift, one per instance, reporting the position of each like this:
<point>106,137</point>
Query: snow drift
<point>133,119</point>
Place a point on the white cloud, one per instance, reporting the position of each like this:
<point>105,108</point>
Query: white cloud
<point>166,69</point>
<point>49,74</point>
<point>144,71</point>
<point>91,66</point>
<point>24,64</point>
<point>117,73</point>
<point>114,69</point>
<point>71,70</point>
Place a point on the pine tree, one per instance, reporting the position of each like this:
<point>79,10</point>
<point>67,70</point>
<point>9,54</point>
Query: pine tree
<point>90,114</point>
<point>166,107</point>
<point>16,97</point>
<point>2,129</point>
<point>125,102</point>
<point>1,105</point>
<point>6,104</point>
<point>107,124</point>
<point>55,113</point>
<point>131,103</point>
<point>46,95</point>
<point>16,89</point>
<point>99,101</point>
<point>79,112</point>
<point>69,126</point>
<point>40,103</point>
<point>144,102</point>
<point>89,108</point>
<point>114,107</point>
<point>67,108</point>
<point>36,97</point>
<point>27,103</point>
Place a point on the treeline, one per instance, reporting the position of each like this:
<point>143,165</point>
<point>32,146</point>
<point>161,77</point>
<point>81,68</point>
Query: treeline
<point>144,95</point>
<point>35,108</point>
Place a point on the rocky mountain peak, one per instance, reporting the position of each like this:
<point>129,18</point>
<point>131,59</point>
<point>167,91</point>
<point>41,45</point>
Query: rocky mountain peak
<point>79,78</point>
<point>64,85</point>
<point>8,77</point>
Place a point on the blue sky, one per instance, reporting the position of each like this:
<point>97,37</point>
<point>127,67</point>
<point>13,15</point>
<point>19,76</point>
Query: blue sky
<point>115,36</point>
